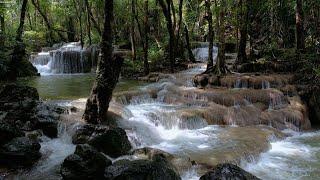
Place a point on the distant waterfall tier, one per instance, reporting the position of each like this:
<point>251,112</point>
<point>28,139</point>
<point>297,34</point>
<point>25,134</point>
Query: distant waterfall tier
<point>67,59</point>
<point>201,52</point>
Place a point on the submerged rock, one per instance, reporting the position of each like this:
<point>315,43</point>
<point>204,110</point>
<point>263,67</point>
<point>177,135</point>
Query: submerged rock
<point>158,168</point>
<point>20,151</point>
<point>226,172</point>
<point>85,163</point>
<point>113,142</point>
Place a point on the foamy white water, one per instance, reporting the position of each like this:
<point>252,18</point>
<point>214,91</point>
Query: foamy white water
<point>295,158</point>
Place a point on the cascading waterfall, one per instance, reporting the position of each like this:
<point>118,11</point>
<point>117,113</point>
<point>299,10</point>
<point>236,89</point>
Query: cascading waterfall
<point>67,59</point>
<point>162,120</point>
<point>201,53</point>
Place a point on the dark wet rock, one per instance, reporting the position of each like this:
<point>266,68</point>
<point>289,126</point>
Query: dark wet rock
<point>85,163</point>
<point>14,93</point>
<point>20,107</point>
<point>8,132</point>
<point>201,80</point>
<point>18,103</point>
<point>155,77</point>
<point>158,168</point>
<point>113,142</point>
<point>226,172</point>
<point>47,118</point>
<point>180,163</point>
<point>314,105</point>
<point>20,151</point>
<point>86,132</point>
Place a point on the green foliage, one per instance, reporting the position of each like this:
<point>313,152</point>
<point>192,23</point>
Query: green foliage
<point>34,40</point>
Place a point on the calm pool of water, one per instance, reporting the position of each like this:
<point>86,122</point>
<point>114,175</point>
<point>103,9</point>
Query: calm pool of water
<point>75,86</point>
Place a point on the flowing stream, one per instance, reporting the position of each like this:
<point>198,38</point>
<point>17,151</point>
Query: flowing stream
<point>154,122</point>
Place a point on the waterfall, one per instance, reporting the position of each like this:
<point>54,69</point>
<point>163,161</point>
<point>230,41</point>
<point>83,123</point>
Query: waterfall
<point>68,59</point>
<point>202,53</point>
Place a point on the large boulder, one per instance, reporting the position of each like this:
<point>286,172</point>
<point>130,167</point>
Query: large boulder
<point>228,171</point>
<point>113,142</point>
<point>18,103</point>
<point>20,151</point>
<point>21,108</point>
<point>85,163</point>
<point>47,118</point>
<point>180,163</point>
<point>86,132</point>
<point>15,93</point>
<point>8,132</point>
<point>158,168</point>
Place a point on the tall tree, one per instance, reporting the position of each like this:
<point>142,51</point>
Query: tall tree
<point>22,19</point>
<point>190,54</point>
<point>220,67</point>
<point>244,20</point>
<point>94,22</point>
<point>19,51</point>
<point>108,72</point>
<point>146,38</point>
<point>2,26</point>
<point>210,34</point>
<point>166,9</point>
<point>300,25</point>
<point>132,31</point>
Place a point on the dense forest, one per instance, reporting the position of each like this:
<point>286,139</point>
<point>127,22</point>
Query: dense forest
<point>159,89</point>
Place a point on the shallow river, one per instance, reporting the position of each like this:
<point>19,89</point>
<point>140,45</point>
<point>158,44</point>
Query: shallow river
<point>151,122</point>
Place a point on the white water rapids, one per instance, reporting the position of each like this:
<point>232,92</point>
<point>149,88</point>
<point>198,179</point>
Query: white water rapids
<point>153,123</point>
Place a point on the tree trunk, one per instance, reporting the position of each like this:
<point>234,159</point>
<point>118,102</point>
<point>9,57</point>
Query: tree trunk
<point>166,9</point>
<point>190,54</point>
<point>19,48</point>
<point>299,25</point>
<point>3,30</point>
<point>80,19</point>
<point>108,71</point>
<point>71,31</point>
<point>22,18</point>
<point>180,19</point>
<point>89,25</point>
<point>244,20</point>
<point>132,32</point>
<point>220,67</point>
<point>210,34</point>
<point>146,39</point>
<point>94,22</point>
<point>136,17</point>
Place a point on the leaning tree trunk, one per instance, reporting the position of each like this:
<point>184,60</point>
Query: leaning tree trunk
<point>107,73</point>
<point>299,25</point>
<point>244,20</point>
<point>220,67</point>
<point>146,39</point>
<point>210,34</point>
